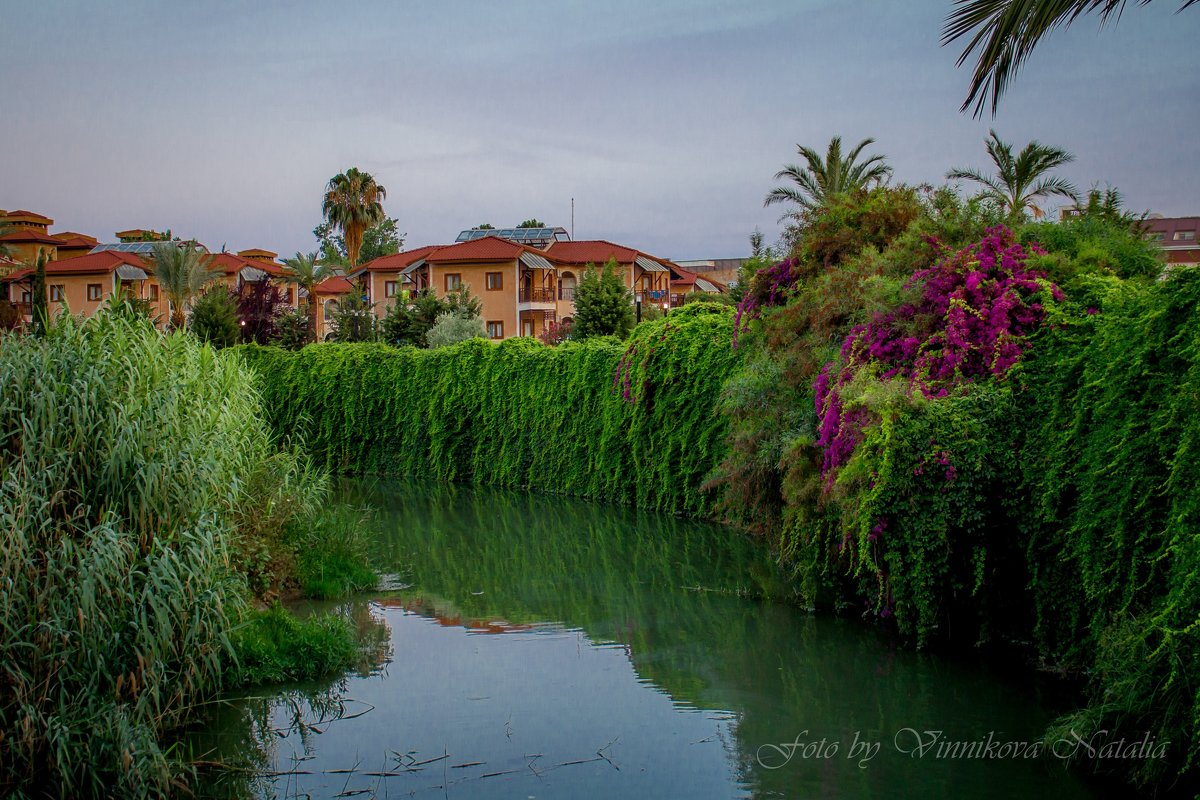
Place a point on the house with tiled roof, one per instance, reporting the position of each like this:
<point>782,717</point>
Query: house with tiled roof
<point>522,288</point>
<point>1179,237</point>
<point>83,284</point>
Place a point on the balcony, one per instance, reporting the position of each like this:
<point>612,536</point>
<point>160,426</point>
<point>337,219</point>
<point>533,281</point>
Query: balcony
<point>536,298</point>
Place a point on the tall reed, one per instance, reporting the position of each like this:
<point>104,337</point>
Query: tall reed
<point>135,476</point>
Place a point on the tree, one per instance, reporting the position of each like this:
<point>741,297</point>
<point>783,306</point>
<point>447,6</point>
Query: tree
<point>1021,180</point>
<point>532,223</point>
<point>408,321</point>
<point>463,303</point>
<point>452,327</point>
<point>259,305</point>
<point>182,273</point>
<point>603,304</point>
<point>1007,31</point>
<point>306,271</point>
<point>40,312</point>
<point>824,178</point>
<point>383,239</point>
<point>352,205</point>
<point>215,318</point>
<point>292,330</point>
<point>353,318</point>
<point>484,226</point>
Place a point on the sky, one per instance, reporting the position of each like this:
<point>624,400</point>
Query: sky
<point>665,121</point>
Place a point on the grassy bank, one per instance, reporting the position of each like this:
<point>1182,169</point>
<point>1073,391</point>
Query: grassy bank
<point>143,502</point>
<point>633,423</point>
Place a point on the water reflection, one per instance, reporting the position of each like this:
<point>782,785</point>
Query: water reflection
<point>552,647</point>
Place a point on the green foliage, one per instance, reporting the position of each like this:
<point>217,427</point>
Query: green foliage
<point>353,318</point>
<point>408,323</point>
<point>274,646</point>
<point>1112,476</point>
<point>603,305</point>
<point>532,222</point>
<point>519,413</point>
<point>215,318</point>
<point>464,304</point>
<point>182,272</point>
<point>331,549</point>
<point>1093,245</point>
<point>140,489</point>
<point>40,313</point>
<point>293,329</point>
<point>453,327</point>
<point>379,240</point>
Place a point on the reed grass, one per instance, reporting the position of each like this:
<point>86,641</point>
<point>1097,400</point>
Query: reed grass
<point>140,492</point>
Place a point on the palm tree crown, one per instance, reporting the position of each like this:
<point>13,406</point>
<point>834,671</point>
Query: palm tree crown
<point>306,271</point>
<point>182,271</point>
<point>1008,31</point>
<point>353,203</point>
<point>823,178</point>
<point>1020,180</point>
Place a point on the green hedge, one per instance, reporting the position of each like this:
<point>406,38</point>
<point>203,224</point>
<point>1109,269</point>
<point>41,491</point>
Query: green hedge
<point>519,413</point>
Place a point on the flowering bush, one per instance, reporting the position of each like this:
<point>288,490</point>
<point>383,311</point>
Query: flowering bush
<point>770,287</point>
<point>557,332</point>
<point>973,319</point>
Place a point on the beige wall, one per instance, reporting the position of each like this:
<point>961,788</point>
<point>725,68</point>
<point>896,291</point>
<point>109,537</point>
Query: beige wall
<point>499,305</point>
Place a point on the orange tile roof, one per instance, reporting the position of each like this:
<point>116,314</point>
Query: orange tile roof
<point>255,251</point>
<point>75,235</point>
<point>596,251</point>
<point>232,264</point>
<point>26,235</point>
<point>335,286</point>
<point>30,216</point>
<point>398,261</point>
<point>489,248</point>
<point>75,242</point>
<point>92,264</point>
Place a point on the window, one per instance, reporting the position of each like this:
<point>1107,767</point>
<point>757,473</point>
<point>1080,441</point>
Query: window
<point>95,291</point>
<point>291,296</point>
<point>495,330</point>
<point>1154,236</point>
<point>152,295</point>
<point>1185,236</point>
<point>56,293</point>
<point>495,280</point>
<point>453,282</point>
<point>26,298</point>
<point>389,288</point>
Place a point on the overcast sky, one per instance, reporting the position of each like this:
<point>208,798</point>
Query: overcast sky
<point>665,120</point>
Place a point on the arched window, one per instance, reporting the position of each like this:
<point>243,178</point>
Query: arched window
<point>566,286</point>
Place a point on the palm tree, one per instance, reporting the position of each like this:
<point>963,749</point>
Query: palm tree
<point>1008,31</point>
<point>352,204</point>
<point>1021,180</point>
<point>822,179</point>
<point>306,271</point>
<point>182,271</point>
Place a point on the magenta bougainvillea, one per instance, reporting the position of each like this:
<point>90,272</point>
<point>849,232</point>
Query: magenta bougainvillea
<point>771,287</point>
<point>976,311</point>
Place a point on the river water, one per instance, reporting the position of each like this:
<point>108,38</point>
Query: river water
<point>547,647</point>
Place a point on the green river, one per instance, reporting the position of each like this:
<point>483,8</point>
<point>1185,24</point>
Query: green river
<point>550,647</point>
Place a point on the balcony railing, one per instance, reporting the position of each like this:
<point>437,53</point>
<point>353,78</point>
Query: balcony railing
<point>536,295</point>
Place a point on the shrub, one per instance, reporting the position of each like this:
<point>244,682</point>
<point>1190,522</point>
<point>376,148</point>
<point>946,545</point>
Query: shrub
<point>292,330</point>
<point>452,328</point>
<point>215,318</point>
<point>603,305</point>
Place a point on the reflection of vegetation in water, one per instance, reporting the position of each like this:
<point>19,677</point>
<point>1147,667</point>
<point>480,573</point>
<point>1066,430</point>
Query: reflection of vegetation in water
<point>691,603</point>
<point>237,750</point>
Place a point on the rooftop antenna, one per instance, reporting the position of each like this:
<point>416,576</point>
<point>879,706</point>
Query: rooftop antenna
<point>572,219</point>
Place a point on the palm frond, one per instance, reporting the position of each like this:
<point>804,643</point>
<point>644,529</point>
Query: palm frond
<point>1005,32</point>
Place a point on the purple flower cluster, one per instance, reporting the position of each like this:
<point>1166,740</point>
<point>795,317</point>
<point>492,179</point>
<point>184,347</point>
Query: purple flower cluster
<point>973,320</point>
<point>771,287</point>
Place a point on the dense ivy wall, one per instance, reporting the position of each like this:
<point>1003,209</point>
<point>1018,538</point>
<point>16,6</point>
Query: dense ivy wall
<point>519,413</point>
<point>1111,464</point>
